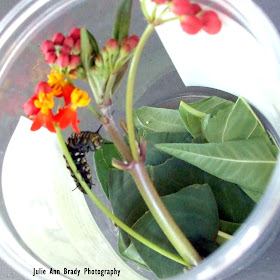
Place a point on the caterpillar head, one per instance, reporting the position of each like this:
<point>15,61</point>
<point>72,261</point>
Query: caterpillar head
<point>96,142</point>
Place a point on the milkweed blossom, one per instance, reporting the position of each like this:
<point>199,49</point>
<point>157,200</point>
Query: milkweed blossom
<point>62,53</point>
<point>40,107</point>
<point>192,16</point>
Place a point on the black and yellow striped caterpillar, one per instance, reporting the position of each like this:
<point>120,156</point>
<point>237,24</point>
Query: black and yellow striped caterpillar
<point>79,144</point>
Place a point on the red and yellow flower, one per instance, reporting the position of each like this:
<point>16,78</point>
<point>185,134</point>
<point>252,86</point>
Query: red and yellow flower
<point>41,105</point>
<point>68,115</point>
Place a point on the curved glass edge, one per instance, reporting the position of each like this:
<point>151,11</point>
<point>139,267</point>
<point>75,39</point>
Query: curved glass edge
<point>13,23</point>
<point>257,232</point>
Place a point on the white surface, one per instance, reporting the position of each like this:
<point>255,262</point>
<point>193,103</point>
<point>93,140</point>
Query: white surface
<point>232,61</point>
<point>53,221</point>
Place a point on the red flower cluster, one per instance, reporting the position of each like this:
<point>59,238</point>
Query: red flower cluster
<point>40,106</point>
<point>192,17</point>
<point>62,51</point>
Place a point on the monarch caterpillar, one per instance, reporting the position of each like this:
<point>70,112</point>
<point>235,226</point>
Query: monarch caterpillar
<point>79,144</point>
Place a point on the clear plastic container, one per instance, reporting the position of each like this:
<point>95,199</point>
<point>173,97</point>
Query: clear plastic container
<point>249,66</point>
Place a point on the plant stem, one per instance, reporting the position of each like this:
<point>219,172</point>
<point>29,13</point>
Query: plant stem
<point>111,129</point>
<point>162,215</point>
<point>100,205</point>
<point>94,111</point>
<point>129,92</point>
<point>169,19</point>
<point>144,10</point>
<point>140,174</point>
<point>108,89</point>
<point>223,237</point>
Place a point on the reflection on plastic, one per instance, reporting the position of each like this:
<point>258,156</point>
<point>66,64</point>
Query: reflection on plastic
<point>53,221</point>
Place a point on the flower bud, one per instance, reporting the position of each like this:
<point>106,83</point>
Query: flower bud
<point>75,33</point>
<point>181,7</point>
<point>58,39</point>
<point>126,49</point>
<point>132,41</point>
<point>74,61</point>
<point>65,49</point>
<point>191,24</point>
<point>29,107</point>
<point>104,53</point>
<point>42,86</point>
<point>47,46</point>
<point>78,45</point>
<point>68,41</point>
<point>73,72</point>
<point>112,45</point>
<point>195,9</point>
<point>50,57</point>
<point>98,61</point>
<point>63,60</point>
<point>211,22</point>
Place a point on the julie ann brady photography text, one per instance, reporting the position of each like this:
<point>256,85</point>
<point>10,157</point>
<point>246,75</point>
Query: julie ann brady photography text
<point>78,272</point>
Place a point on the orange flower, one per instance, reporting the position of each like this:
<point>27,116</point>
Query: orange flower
<point>39,107</point>
<point>43,119</point>
<point>57,81</point>
<point>44,103</point>
<point>68,115</point>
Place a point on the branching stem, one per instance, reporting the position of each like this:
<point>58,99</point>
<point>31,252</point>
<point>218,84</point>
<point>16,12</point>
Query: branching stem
<point>129,92</point>
<point>140,174</point>
<point>100,205</point>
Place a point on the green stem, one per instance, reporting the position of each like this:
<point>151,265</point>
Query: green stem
<point>111,129</point>
<point>169,19</point>
<point>144,10</point>
<point>223,237</point>
<point>129,93</point>
<point>108,89</point>
<point>154,12</point>
<point>166,10</point>
<point>93,86</point>
<point>99,204</point>
<point>162,215</point>
<point>141,177</point>
<point>94,111</point>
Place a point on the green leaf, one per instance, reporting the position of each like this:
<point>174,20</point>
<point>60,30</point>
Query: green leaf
<point>122,20</point>
<point>192,120</point>
<point>103,162</point>
<point>228,227</point>
<point>233,203</point>
<point>131,253</point>
<point>153,155</point>
<point>248,163</point>
<point>188,206</point>
<point>233,123</point>
<point>171,176</point>
<point>93,43</point>
<point>89,47</point>
<point>127,203</point>
<point>120,76</point>
<point>256,194</point>
<point>158,120</point>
